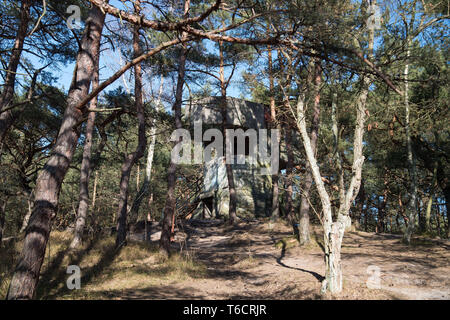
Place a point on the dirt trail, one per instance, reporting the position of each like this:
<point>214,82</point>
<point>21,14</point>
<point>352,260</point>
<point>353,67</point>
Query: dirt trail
<point>247,262</point>
<point>243,262</point>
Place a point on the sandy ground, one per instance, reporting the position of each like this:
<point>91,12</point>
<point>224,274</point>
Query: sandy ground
<point>244,262</point>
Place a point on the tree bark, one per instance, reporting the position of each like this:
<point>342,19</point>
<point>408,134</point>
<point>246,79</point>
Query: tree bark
<point>361,200</point>
<point>323,194</point>
<point>430,200</point>
<point>6,117</point>
<point>412,204</point>
<point>334,231</point>
<point>275,214</point>
<point>144,190</point>
<point>289,176</point>
<point>142,140</point>
<point>438,221</point>
<point>232,207</point>
<point>304,204</point>
<point>169,208</point>
<point>382,207</point>
<point>83,202</point>
<point>2,218</point>
<point>48,185</point>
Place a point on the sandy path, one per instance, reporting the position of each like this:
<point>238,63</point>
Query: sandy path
<point>243,262</point>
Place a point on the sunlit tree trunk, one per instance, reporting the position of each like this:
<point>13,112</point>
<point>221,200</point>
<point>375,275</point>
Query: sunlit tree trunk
<point>334,231</point>
<point>412,204</point>
<point>132,158</point>
<point>169,208</point>
<point>304,233</point>
<point>382,206</point>
<point>430,200</point>
<point>144,190</point>
<point>48,185</point>
<point>275,214</point>
<point>83,202</point>
<point>232,206</point>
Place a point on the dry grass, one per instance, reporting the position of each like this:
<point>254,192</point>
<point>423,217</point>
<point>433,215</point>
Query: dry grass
<point>103,268</point>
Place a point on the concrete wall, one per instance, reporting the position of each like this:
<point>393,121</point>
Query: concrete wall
<point>254,192</point>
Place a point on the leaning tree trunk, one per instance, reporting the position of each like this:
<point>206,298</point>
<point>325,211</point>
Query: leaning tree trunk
<point>6,117</point>
<point>83,203</point>
<point>169,208</point>
<point>304,233</point>
<point>142,141</point>
<point>48,185</point>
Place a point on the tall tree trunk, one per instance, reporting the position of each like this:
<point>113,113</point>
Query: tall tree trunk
<point>232,207</point>
<point>169,208</point>
<point>6,117</point>
<point>289,175</point>
<point>323,194</point>
<point>83,202</point>
<point>275,214</point>
<point>334,231</point>
<point>361,209</point>
<point>144,190</point>
<point>304,204</point>
<point>48,185</point>
<point>412,204</point>
<point>142,140</point>
<point>438,221</point>
<point>430,200</point>
<point>402,209</point>
<point>382,206</point>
